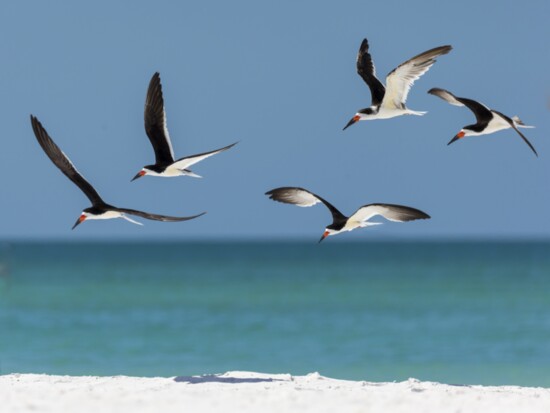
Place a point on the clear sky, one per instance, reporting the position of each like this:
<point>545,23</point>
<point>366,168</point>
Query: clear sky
<point>280,78</point>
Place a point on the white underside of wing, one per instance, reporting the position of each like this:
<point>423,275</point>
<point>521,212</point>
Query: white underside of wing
<point>400,81</point>
<point>303,198</point>
<point>296,196</point>
<point>168,140</point>
<point>352,224</point>
<point>447,97</point>
<point>363,214</point>
<point>450,98</point>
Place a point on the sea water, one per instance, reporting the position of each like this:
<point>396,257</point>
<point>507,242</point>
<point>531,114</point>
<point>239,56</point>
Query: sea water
<point>455,312</point>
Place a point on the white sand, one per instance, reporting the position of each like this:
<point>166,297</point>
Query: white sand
<point>245,392</point>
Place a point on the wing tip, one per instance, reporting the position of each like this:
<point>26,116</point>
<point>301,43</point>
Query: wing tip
<point>154,84</point>
<point>198,215</point>
<point>273,192</point>
<point>278,194</point>
<point>440,50</point>
<point>424,216</point>
<point>435,90</point>
<point>37,128</point>
<point>417,214</point>
<point>156,76</point>
<point>34,120</point>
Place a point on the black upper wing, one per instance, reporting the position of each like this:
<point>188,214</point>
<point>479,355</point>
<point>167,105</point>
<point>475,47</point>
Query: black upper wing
<point>190,160</point>
<point>154,217</point>
<point>482,113</point>
<point>366,69</point>
<point>304,198</point>
<point>63,163</point>
<point>155,122</point>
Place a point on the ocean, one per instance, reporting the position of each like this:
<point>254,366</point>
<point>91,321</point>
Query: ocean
<point>454,312</point>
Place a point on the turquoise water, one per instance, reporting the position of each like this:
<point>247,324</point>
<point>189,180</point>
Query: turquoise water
<point>450,312</point>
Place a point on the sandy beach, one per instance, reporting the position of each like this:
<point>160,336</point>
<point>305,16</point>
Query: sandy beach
<point>252,392</point>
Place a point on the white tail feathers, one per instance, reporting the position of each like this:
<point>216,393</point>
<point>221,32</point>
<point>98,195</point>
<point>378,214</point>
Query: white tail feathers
<point>520,123</point>
<point>192,174</point>
<point>364,224</point>
<point>414,112</point>
<point>131,220</point>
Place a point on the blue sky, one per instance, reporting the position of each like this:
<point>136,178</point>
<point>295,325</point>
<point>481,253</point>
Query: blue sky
<point>280,78</point>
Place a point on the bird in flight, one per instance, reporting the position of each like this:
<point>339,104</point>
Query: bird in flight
<point>99,209</point>
<point>389,101</point>
<point>487,120</point>
<point>155,126</point>
<point>341,223</point>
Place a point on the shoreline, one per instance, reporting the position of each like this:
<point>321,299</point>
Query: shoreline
<point>244,392</point>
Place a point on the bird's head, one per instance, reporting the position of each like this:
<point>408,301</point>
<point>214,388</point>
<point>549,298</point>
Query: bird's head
<point>328,231</point>
<point>362,114</point>
<point>144,171</point>
<point>458,136</point>
<point>81,218</point>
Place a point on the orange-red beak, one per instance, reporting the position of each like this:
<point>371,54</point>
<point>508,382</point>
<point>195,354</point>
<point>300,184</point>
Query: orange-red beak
<point>80,220</point>
<point>351,122</point>
<point>457,137</point>
<point>138,175</point>
<point>325,234</point>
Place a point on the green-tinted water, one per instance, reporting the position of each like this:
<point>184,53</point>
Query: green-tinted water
<point>450,312</point>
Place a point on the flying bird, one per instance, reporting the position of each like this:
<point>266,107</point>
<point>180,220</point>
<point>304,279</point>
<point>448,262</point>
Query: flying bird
<point>99,209</point>
<point>155,126</point>
<point>389,101</point>
<point>487,120</point>
<point>340,223</point>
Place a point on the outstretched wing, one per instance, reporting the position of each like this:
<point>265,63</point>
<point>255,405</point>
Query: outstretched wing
<point>482,113</point>
<point>302,198</point>
<point>367,71</point>
<point>155,122</point>
<point>513,125</point>
<point>400,80</point>
<point>155,217</point>
<point>63,162</point>
<point>397,213</point>
<point>186,162</point>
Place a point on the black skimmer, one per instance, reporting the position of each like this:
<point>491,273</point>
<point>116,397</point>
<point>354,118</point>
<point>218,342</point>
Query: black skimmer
<point>488,120</point>
<point>99,209</point>
<point>389,101</point>
<point>340,223</point>
<point>155,126</point>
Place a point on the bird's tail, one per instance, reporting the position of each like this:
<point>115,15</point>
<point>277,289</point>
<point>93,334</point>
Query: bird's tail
<point>370,223</point>
<point>130,220</point>
<point>188,172</point>
<point>520,123</point>
<point>415,112</point>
